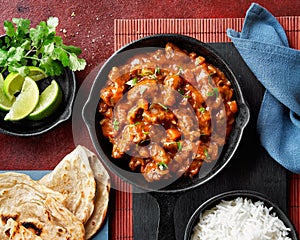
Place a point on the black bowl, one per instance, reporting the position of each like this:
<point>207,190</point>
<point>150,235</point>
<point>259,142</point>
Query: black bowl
<point>227,196</point>
<point>102,145</point>
<point>27,128</point>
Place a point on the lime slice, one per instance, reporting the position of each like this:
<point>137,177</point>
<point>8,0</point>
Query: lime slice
<point>12,84</point>
<point>49,101</point>
<point>5,103</point>
<point>14,81</point>
<point>36,73</point>
<point>25,102</point>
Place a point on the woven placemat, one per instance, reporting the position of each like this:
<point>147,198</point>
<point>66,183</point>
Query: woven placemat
<point>206,30</point>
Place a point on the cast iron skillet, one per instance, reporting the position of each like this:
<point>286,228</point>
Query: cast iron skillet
<point>227,196</point>
<point>102,145</point>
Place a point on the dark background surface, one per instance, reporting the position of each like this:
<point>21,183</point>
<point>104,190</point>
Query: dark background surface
<point>251,168</point>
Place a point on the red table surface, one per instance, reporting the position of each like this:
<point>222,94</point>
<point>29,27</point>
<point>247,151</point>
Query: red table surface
<point>90,25</point>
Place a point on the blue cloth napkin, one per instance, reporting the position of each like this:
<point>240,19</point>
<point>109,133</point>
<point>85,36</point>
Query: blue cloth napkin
<point>264,47</point>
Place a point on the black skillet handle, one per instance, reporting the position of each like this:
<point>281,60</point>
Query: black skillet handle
<point>166,202</point>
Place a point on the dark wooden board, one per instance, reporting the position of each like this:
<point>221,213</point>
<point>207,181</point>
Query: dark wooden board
<point>251,168</point>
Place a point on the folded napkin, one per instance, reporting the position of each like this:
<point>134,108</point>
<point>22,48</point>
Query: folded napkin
<point>264,47</point>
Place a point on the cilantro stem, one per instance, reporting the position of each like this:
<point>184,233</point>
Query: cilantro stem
<point>30,51</point>
<point>33,58</point>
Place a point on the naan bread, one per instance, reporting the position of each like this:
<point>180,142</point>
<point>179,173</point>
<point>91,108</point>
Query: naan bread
<point>102,195</point>
<point>15,231</point>
<point>27,204</point>
<point>74,178</point>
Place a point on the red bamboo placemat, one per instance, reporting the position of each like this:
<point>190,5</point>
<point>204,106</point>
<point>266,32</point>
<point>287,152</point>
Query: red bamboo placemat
<point>206,30</point>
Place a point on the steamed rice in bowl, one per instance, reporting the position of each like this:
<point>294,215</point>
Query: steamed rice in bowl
<point>240,219</point>
<point>239,215</point>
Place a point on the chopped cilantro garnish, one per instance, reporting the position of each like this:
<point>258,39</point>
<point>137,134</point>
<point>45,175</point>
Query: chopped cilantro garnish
<point>162,166</point>
<point>116,124</point>
<point>181,91</point>
<point>135,124</point>
<point>206,154</point>
<point>145,72</point>
<point>132,82</point>
<point>214,92</point>
<point>187,96</point>
<point>201,109</point>
<point>157,70</point>
<point>179,146</point>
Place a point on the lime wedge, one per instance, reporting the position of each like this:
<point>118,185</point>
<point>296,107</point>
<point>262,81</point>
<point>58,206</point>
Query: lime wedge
<point>36,73</point>
<point>5,103</point>
<point>14,81</point>
<point>49,101</point>
<point>25,102</point>
<point>12,84</point>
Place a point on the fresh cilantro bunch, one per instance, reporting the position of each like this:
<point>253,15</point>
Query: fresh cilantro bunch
<point>23,46</point>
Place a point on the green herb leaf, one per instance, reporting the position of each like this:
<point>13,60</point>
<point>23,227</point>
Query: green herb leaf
<point>214,92</point>
<point>132,82</point>
<point>145,72</point>
<point>75,63</point>
<point>162,166</point>
<point>9,29</point>
<point>202,109</point>
<point>52,23</point>
<point>206,154</point>
<point>157,71</point>
<point>116,125</point>
<point>135,124</point>
<point>163,106</point>
<point>71,49</point>
<point>179,146</point>
<point>3,56</point>
<point>37,46</point>
<point>51,67</point>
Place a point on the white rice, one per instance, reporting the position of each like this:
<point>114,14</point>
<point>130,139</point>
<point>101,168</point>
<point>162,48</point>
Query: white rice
<point>240,219</point>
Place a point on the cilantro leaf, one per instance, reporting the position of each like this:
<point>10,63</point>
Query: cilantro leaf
<point>71,49</point>
<point>60,54</point>
<point>116,125</point>
<point>3,56</point>
<point>76,63</point>
<point>52,23</point>
<point>9,29</point>
<point>132,82</point>
<point>39,46</point>
<point>51,67</point>
<point>162,166</point>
